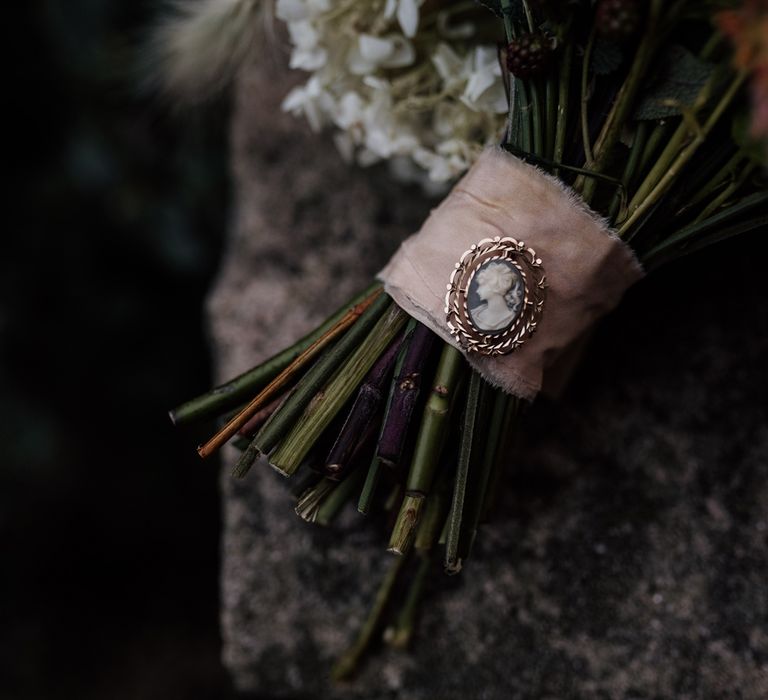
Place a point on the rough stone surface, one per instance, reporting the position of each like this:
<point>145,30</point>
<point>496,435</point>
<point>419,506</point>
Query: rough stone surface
<point>628,556</point>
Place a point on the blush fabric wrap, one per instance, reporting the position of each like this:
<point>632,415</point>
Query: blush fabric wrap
<point>587,267</point>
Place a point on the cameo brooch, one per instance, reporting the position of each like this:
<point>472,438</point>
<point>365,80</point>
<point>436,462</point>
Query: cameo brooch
<point>495,296</point>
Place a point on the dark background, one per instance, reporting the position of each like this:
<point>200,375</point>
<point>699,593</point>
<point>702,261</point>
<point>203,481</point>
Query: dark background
<point>109,523</point>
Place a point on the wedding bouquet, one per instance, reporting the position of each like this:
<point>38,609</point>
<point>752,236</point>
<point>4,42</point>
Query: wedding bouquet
<point>601,140</point>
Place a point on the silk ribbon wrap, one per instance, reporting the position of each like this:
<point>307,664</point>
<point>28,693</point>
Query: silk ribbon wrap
<point>587,267</point>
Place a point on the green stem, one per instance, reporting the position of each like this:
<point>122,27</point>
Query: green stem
<point>249,455</point>
<point>758,223</point>
<point>506,13</point>
<point>452,558</point>
<point>309,502</point>
<point>529,16</point>
<point>512,409</point>
<point>625,100</point>
<point>493,441</point>
<point>635,153</point>
<point>538,136</point>
<point>523,108</point>
<point>282,380</point>
<point>749,204</point>
<point>349,661</point>
<point>399,636</point>
<point>435,513</point>
<point>726,194</point>
<point>640,207</point>
<point>716,181</point>
<point>588,155</point>
<point>671,151</point>
<point>563,100</point>
<point>245,386</point>
<point>657,137</point>
<point>341,495</point>
<point>370,484</point>
<point>551,114</point>
<point>328,401</point>
<point>284,418</point>
<point>429,444</point>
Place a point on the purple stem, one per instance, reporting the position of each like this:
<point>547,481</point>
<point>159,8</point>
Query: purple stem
<point>363,411</point>
<point>406,394</point>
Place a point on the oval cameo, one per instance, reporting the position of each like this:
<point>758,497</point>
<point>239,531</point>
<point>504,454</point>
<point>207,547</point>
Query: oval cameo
<point>495,296</point>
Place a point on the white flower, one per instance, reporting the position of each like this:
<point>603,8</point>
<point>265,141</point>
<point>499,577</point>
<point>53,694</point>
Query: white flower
<point>408,16</point>
<point>307,54</point>
<point>451,67</point>
<point>484,90</point>
<point>371,53</point>
<point>435,108</point>
<point>311,101</point>
<point>350,110</point>
<point>407,13</point>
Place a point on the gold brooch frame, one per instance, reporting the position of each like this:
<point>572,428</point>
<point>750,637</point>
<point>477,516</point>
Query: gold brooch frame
<point>524,325</point>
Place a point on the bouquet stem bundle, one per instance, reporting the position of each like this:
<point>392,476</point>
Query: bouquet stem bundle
<point>372,409</point>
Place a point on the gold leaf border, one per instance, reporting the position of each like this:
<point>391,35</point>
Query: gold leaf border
<point>529,266</point>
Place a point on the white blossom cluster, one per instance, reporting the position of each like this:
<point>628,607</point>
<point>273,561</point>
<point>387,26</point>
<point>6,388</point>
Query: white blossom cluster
<point>398,80</point>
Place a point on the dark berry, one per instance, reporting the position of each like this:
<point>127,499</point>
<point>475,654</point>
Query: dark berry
<point>528,55</point>
<point>618,19</point>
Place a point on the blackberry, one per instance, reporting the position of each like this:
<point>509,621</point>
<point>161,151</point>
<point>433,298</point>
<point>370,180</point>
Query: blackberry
<point>618,19</point>
<point>528,55</point>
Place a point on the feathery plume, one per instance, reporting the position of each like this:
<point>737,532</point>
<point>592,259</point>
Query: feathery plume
<point>196,51</point>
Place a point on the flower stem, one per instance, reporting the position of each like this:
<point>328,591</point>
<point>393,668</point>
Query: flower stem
<point>435,514</point>
<point>243,387</point>
<point>718,179</point>
<point>399,635</point>
<point>756,202</point>
<point>588,155</point>
<point>639,207</point>
<point>538,137</point>
<point>309,502</point>
<point>657,137</point>
<point>563,99</point>
<point>511,413</point>
<point>282,379</point>
<point>452,558</point>
<point>341,495</point>
<point>404,395</point>
<point>429,445</point>
<point>283,419</point>
<point>624,102</point>
<point>727,193</point>
<point>325,404</point>
<point>260,417</point>
<point>363,412</point>
<point>550,96</point>
<point>494,440</point>
<point>349,661</point>
<point>630,169</point>
<point>398,410</point>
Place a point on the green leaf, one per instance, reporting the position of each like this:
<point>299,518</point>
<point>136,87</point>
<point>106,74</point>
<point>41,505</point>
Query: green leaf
<point>680,78</point>
<point>606,57</point>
